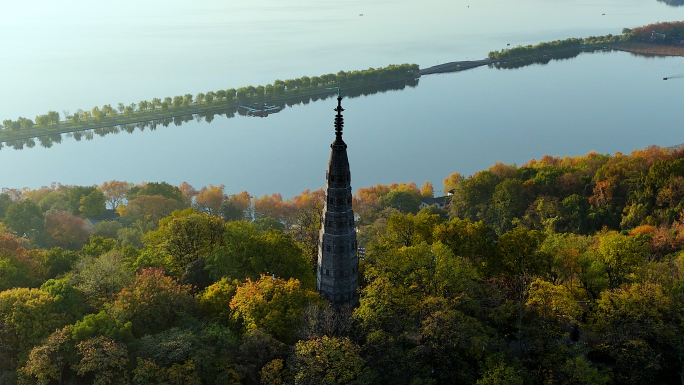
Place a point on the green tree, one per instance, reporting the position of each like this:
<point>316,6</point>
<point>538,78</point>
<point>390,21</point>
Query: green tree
<point>58,261</point>
<point>400,200</point>
<point>99,278</point>
<point>330,361</point>
<point>620,255</point>
<point>30,315</point>
<point>153,188</point>
<point>92,205</point>
<point>248,252</point>
<point>186,236</point>
<point>25,219</point>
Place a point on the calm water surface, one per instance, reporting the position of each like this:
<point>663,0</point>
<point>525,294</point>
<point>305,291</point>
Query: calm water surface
<point>77,54</point>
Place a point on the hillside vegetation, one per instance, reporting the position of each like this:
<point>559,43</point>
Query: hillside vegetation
<point>560,271</point>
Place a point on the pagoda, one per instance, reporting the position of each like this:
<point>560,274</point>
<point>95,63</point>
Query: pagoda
<point>337,268</point>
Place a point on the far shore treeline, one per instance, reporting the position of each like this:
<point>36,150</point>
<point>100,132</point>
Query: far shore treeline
<point>658,33</point>
<point>157,108</point>
<point>562,271</point>
<point>54,134</point>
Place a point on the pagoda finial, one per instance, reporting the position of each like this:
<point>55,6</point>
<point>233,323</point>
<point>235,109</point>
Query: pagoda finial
<point>339,121</point>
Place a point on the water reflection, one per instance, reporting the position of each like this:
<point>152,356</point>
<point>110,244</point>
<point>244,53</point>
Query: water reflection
<point>673,3</point>
<point>48,141</point>
<point>546,59</point>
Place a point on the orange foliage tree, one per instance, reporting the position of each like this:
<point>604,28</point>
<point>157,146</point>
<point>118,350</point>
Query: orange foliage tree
<point>65,230</point>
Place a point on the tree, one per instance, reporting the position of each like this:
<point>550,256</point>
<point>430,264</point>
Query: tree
<point>115,192</point>
<point>638,324</point>
<point>400,200</point>
<point>427,190</point>
<point>76,193</point>
<point>508,203</point>
<point>210,200</point>
<point>214,301</point>
<point>153,302</point>
<point>49,361</point>
<point>186,236</point>
<point>177,102</point>
<point>518,252</point>
<point>620,256</point>
<point>68,300</point>
<point>270,207</point>
<point>31,316</point>
<point>102,361</point>
<point>92,205</point>
<point>149,209</point>
<point>330,361</point>
<point>553,304</point>
<point>57,261</point>
<point>272,304</point>
<point>53,116</point>
<point>248,252</point>
<point>501,374</point>
<point>97,114</point>
<point>99,278</point>
<point>18,267</point>
<point>65,230</point>
<point>153,188</point>
<point>25,219</point>
<point>237,207</point>
<point>56,200</point>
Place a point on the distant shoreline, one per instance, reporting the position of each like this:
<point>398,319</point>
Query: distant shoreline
<point>651,49</point>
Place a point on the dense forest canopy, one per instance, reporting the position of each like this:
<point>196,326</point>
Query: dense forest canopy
<point>560,271</point>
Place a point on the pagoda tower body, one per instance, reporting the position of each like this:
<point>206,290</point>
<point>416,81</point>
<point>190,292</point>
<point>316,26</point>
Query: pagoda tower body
<point>337,268</point>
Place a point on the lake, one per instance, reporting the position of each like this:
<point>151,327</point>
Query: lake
<point>77,55</point>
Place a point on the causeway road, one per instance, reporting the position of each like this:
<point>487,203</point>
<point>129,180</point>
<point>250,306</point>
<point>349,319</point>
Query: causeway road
<point>456,66</point>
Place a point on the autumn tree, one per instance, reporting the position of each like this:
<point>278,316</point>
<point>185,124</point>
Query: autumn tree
<point>102,361</point>
<point>272,304</point>
<point>270,207</point>
<point>210,200</point>
<point>65,230</point>
<point>115,192</point>
<point>427,191</point>
<point>18,267</point>
<point>149,209</point>
<point>48,361</point>
<point>153,302</point>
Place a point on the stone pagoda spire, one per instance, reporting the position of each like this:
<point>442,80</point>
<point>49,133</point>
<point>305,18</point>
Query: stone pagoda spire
<point>337,269</point>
